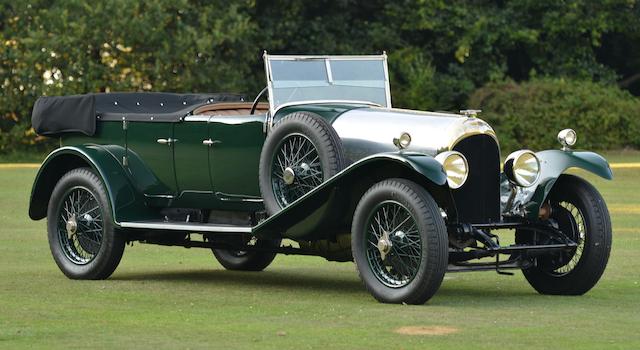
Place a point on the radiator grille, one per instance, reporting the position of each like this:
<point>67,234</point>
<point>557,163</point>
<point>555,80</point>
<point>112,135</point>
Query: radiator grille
<point>478,200</point>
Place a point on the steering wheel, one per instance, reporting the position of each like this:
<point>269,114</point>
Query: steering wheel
<point>255,102</point>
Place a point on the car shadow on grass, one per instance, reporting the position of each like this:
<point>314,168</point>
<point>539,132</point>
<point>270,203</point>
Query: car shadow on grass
<point>302,280</point>
<point>482,292</point>
<point>277,279</point>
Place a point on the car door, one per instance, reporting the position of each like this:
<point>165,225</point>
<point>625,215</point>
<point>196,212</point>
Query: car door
<point>234,155</point>
<point>150,157</point>
<point>191,154</point>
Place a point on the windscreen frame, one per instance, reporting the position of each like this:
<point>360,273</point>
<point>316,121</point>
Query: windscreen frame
<point>273,107</point>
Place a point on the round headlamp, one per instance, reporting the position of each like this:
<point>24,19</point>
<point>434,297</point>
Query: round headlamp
<point>455,166</point>
<point>522,168</point>
<point>567,137</point>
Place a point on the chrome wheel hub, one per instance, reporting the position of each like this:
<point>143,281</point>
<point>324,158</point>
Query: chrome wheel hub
<point>72,225</point>
<point>87,218</point>
<point>384,245</point>
<point>288,176</point>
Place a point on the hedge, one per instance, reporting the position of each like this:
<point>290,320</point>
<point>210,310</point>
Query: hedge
<point>439,51</point>
<point>530,114</point>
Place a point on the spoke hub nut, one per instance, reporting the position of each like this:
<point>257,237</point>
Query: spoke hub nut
<point>288,176</point>
<point>88,218</point>
<point>384,245</point>
<point>72,225</point>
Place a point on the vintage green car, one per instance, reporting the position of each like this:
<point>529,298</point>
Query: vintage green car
<point>328,166</point>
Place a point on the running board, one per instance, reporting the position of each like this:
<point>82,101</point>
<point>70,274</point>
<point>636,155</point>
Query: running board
<point>186,226</point>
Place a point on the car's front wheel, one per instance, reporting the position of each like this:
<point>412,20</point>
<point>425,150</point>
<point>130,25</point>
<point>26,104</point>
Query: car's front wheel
<point>399,242</point>
<point>579,211</point>
<point>83,241</point>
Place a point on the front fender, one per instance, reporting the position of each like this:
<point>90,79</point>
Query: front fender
<point>125,203</point>
<point>328,209</point>
<point>554,163</point>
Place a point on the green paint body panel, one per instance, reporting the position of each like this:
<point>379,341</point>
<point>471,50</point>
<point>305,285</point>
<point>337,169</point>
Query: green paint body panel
<point>186,174</point>
<point>107,133</point>
<point>328,209</point>
<point>554,163</point>
<point>223,175</point>
<point>126,203</point>
<point>234,161</point>
<point>328,111</point>
<point>141,143</point>
<point>191,157</point>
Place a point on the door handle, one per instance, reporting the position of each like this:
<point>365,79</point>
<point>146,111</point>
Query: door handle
<point>168,141</point>
<point>209,142</point>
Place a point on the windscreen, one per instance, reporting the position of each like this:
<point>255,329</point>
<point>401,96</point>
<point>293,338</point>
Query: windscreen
<point>295,79</point>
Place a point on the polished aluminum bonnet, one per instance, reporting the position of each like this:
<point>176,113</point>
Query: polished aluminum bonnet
<point>367,131</point>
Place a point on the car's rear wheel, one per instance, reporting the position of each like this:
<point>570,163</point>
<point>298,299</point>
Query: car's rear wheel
<point>83,241</point>
<point>579,211</point>
<point>399,242</point>
<point>300,152</point>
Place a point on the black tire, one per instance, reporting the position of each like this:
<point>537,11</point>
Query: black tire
<point>394,280</point>
<point>239,260</point>
<point>83,240</point>
<point>324,140</point>
<point>573,200</point>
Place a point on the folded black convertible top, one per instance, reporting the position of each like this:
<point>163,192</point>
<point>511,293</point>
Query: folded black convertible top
<point>55,115</point>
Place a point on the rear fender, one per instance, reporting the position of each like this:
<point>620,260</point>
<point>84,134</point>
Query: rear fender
<point>328,209</point>
<point>125,203</point>
<point>554,163</point>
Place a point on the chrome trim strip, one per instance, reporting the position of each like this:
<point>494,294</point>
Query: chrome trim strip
<point>321,57</point>
<point>237,198</point>
<point>195,192</point>
<point>166,196</point>
<point>186,227</point>
<point>386,80</point>
<point>197,118</point>
<point>327,66</point>
<point>267,69</point>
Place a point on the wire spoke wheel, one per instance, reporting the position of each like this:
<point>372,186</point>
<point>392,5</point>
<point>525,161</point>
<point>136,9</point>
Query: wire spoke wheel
<point>296,169</point>
<point>394,244</point>
<point>80,226</point>
<point>83,239</point>
<point>573,224</point>
<point>580,213</point>
<point>300,152</point>
<point>399,242</point>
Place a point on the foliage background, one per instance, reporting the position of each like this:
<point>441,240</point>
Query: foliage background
<point>533,66</point>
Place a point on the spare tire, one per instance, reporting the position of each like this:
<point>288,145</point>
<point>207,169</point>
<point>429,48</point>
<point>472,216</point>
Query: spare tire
<point>301,151</point>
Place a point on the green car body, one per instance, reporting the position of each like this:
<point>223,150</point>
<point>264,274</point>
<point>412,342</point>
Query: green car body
<point>213,166</point>
<point>225,176</point>
<point>141,174</point>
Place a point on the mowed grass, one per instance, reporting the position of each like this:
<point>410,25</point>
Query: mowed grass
<point>171,297</point>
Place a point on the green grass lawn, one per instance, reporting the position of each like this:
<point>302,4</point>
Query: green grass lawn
<point>163,297</point>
